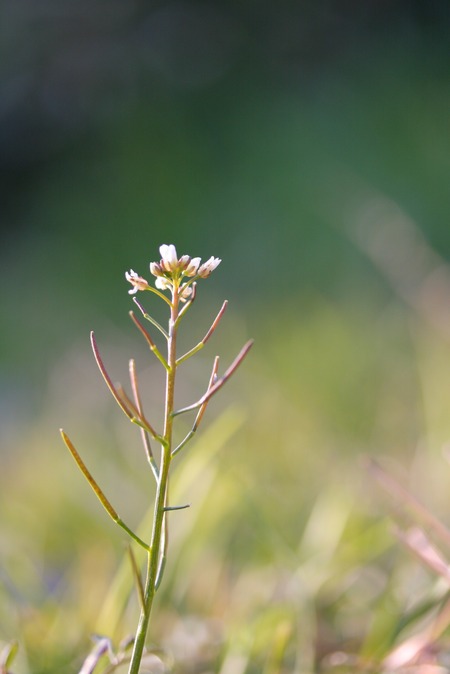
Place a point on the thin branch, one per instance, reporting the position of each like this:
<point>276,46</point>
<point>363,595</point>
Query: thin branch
<point>220,382</point>
<point>144,434</point>
<point>157,292</point>
<point>201,344</point>
<point>150,318</point>
<point>107,378</point>
<point>215,322</point>
<point>137,418</point>
<point>149,341</point>
<point>212,381</point>
<point>187,304</point>
<point>182,507</point>
<point>99,493</point>
<point>201,411</point>
<point>120,396</point>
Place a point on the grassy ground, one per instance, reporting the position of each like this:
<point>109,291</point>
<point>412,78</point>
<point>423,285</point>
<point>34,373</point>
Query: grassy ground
<point>287,560</point>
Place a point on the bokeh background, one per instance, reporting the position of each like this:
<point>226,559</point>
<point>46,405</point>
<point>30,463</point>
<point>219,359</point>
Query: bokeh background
<point>307,145</point>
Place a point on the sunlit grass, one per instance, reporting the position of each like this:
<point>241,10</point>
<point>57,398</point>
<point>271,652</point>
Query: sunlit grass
<point>287,555</point>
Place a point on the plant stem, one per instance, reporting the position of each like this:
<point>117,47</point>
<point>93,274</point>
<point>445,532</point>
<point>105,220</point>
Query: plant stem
<point>154,555</point>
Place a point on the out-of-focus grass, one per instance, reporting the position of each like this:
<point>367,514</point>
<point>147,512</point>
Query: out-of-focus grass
<point>285,556</point>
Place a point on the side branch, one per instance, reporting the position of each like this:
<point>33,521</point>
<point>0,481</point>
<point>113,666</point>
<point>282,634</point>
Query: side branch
<point>149,340</point>
<point>187,305</point>
<point>181,507</point>
<point>121,398</point>
<point>150,319</point>
<point>144,433</point>
<point>136,417</point>
<point>219,382</point>
<point>99,493</point>
<point>157,292</point>
<point>215,322</point>
<point>201,344</point>
<point>201,411</point>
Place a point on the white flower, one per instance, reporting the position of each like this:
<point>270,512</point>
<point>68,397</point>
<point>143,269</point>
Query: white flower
<point>163,283</point>
<point>185,292</point>
<point>170,270</point>
<point>169,257</point>
<point>192,267</point>
<point>136,281</point>
<point>207,267</point>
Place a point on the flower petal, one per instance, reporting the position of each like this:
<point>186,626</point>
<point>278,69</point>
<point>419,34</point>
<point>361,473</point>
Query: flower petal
<point>192,267</point>
<point>185,292</point>
<point>163,283</point>
<point>136,281</point>
<point>169,256</point>
<point>209,266</point>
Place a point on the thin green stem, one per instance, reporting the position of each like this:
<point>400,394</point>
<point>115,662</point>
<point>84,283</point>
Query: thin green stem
<point>187,305</point>
<point>150,319</point>
<point>154,557</point>
<point>149,340</point>
<point>163,297</point>
<point>182,507</point>
<point>201,344</point>
<point>191,352</point>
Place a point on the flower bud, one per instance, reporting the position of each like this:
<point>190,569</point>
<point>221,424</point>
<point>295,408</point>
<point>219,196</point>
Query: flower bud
<point>208,267</point>
<point>169,261</point>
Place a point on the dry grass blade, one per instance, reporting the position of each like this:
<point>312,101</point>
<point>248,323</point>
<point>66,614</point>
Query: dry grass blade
<point>417,542</point>
<point>420,648</point>
<point>406,500</point>
<point>102,648</point>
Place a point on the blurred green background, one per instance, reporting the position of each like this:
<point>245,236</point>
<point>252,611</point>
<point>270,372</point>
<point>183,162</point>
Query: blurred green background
<point>307,145</point>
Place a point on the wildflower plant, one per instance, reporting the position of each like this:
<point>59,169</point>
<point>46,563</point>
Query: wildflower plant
<point>175,284</point>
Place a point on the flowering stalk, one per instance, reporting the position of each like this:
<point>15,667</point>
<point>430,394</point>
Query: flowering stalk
<point>178,276</point>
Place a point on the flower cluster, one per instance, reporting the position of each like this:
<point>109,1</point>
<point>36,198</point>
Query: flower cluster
<point>171,270</point>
